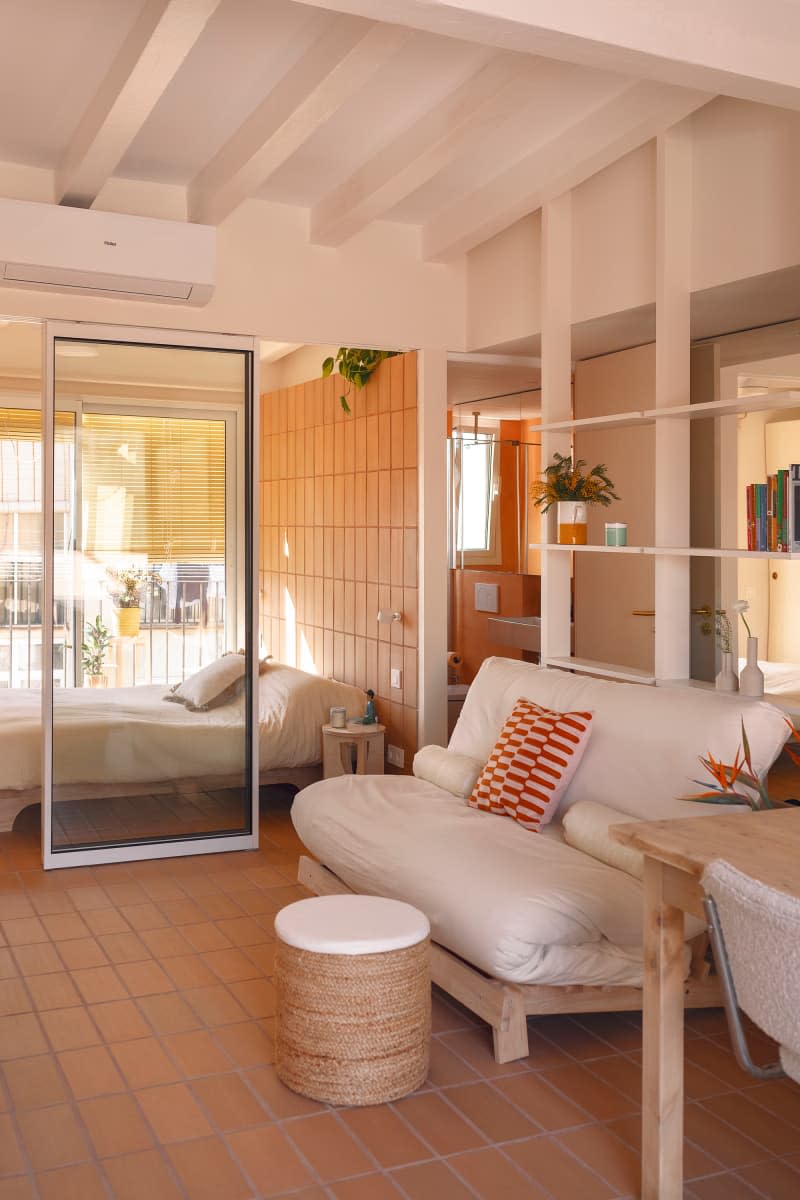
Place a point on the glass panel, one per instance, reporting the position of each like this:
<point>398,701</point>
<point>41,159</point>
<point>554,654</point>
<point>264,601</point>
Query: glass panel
<point>152,596</point>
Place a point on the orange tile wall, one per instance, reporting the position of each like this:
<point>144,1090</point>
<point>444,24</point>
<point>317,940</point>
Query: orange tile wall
<point>339,535</point>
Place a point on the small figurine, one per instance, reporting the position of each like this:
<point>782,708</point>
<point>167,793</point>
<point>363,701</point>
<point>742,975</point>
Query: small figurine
<point>370,717</point>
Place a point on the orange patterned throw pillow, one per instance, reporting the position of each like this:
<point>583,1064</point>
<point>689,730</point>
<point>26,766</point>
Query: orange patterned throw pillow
<point>531,766</point>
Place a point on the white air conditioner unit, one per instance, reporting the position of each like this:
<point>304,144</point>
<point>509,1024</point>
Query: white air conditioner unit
<point>105,254</point>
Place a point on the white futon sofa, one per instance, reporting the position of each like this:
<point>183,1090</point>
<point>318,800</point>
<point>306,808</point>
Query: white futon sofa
<point>523,922</point>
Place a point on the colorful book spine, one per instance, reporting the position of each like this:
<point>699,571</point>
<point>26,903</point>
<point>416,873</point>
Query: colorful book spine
<point>750,494</point>
<point>761,516</point>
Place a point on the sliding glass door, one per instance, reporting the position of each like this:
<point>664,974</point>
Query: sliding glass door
<point>150,643</point>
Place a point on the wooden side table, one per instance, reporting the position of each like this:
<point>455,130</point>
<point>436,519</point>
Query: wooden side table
<point>337,750</point>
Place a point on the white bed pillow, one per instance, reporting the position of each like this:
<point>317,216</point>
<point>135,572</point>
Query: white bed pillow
<point>210,684</point>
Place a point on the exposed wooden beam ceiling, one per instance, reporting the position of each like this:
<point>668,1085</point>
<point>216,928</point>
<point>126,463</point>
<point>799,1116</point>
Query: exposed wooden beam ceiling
<point>632,117</point>
<point>164,33</point>
<point>334,69</point>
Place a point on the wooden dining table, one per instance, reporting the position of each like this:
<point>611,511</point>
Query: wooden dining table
<point>764,845</point>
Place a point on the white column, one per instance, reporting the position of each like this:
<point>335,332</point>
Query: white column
<point>672,470</point>
<point>556,308</point>
<point>432,528</point>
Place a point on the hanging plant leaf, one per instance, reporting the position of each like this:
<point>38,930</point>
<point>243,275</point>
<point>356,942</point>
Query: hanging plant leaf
<point>356,366</point>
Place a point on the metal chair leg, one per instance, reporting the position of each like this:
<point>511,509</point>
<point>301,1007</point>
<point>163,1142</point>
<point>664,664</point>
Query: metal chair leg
<point>732,1012</point>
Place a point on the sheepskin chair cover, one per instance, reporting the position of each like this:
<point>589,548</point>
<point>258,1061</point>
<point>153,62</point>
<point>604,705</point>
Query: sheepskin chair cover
<point>761,927</point>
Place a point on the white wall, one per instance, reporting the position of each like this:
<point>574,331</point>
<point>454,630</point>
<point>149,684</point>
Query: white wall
<point>502,285</point>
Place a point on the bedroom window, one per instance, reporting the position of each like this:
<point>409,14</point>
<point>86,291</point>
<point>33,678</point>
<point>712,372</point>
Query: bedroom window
<point>475,496</point>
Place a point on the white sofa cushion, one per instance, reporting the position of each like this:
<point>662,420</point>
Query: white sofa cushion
<point>646,741</point>
<point>456,773</point>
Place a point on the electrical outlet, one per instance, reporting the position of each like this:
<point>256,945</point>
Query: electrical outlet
<point>395,677</point>
<point>395,757</point>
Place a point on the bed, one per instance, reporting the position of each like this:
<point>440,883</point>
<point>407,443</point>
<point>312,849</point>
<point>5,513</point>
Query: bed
<point>113,739</point>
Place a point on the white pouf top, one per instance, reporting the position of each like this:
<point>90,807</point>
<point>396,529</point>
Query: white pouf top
<point>351,925</point>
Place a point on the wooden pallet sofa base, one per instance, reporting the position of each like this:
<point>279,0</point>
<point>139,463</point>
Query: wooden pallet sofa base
<point>506,1006</point>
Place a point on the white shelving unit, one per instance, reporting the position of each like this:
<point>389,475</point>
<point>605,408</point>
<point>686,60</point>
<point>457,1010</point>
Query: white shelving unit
<point>589,667</point>
<point>667,551</point>
<point>649,416</point>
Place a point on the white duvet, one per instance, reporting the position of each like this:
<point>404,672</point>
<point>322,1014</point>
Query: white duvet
<point>522,906</point>
<point>133,735</point>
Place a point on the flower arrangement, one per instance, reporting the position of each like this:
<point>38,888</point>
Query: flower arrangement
<point>741,607</point>
<point>125,585</point>
<point>565,480</point>
<point>722,630</point>
<point>729,777</point>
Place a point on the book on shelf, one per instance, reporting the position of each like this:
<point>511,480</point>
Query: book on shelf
<point>773,512</point>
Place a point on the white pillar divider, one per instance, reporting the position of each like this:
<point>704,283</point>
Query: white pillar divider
<point>673,334</point>
<point>556,352</point>
<point>432,562</point>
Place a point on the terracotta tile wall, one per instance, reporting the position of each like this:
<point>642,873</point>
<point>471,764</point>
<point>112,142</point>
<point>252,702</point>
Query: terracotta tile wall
<point>339,534</point>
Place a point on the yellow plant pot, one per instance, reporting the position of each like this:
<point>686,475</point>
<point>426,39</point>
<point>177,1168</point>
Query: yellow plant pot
<point>128,621</point>
<point>96,681</point>
<point>571,523</point>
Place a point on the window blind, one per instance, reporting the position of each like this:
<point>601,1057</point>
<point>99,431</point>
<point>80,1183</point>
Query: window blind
<point>153,486</point>
<point>21,476</point>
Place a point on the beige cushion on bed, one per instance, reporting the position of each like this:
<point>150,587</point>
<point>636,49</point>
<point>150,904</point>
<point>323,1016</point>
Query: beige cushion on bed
<point>586,827</point>
<point>210,684</point>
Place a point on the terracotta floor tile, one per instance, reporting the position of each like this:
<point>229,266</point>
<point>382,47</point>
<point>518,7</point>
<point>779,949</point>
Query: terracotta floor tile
<point>621,1074</point>
<point>766,1129</point>
<point>173,1113</point>
<point>39,959</point>
<point>11,1160</point>
<point>725,1187</point>
<point>182,912</point>
<point>438,1124</point>
<point>328,1146</point>
<point>256,996</point>
<point>728,1145</point>
<point>189,971</point>
<point>14,905</point>
<point>14,997</point>
<point>607,1155</point>
<point>53,1137</point>
<point>115,1125</point>
<point>615,1028</point>
<point>364,1187</point>
<point>388,1139</point>
<point>20,1188</point>
<point>241,931</point>
<point>97,984</point>
<point>140,917</point>
<point>487,1108</point>
<point>63,926</point>
<point>585,1089</point>
<point>119,1020</point>
<point>90,1072</point>
<point>169,1013</point>
<point>781,1097</point>
<point>53,991</point>
<point>20,1036</point>
<point>126,893</point>
<point>541,1102</point>
<point>696,1162</point>
<point>85,898</point>
<point>215,1005</point>
<point>719,1061</point>
<point>196,1053</point>
<point>269,1160</point>
<point>106,920</point>
<point>231,966</point>
<point>20,931</point>
<point>205,937</point>
<point>493,1177</point>
<point>123,947</point>
<point>263,956</point>
<point>281,1101</point>
<point>143,1175</point>
<point>775,1179</point>
<point>81,1182</point>
<point>229,1102</point>
<point>475,1046</point>
<point>207,1170</point>
<point>145,978</point>
<point>431,1181</point>
<point>581,1040</point>
<point>446,1067</point>
<point>83,952</point>
<point>8,967</point>
<point>550,1166</point>
<point>143,1062</point>
<point>35,1082</point>
<point>165,943</point>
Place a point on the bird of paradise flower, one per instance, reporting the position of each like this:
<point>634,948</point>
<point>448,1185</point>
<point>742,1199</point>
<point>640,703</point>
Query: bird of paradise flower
<point>727,776</point>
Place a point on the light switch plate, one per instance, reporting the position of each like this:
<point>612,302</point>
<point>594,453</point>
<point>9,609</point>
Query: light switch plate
<point>395,678</point>
<point>487,597</point>
<point>395,756</point>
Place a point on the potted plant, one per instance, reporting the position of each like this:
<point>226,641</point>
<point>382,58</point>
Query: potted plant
<point>572,489</point>
<point>98,639</point>
<point>125,586</point>
<point>355,366</point>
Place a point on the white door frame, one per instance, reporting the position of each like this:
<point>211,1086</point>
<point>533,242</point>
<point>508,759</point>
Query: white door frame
<point>180,339</point>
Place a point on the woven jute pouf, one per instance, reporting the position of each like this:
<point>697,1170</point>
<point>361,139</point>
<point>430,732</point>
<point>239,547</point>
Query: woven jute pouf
<point>354,999</point>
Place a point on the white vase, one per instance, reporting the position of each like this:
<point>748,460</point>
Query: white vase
<point>751,679</point>
<point>571,523</point>
<point>727,680</point>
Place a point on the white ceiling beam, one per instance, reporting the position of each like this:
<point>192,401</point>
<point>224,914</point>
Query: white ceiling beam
<point>493,93</point>
<point>632,117</point>
<point>164,33</point>
<point>734,49</point>
<point>333,70</point>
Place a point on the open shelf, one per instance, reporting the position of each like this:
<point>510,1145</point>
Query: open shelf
<point>759,402</point>
<point>669,551</point>
<point>589,667</point>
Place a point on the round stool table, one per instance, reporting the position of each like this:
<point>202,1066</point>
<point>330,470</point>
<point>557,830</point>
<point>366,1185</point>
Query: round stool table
<point>354,998</point>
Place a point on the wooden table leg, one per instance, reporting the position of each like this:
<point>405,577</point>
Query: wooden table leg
<point>662,1081</point>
